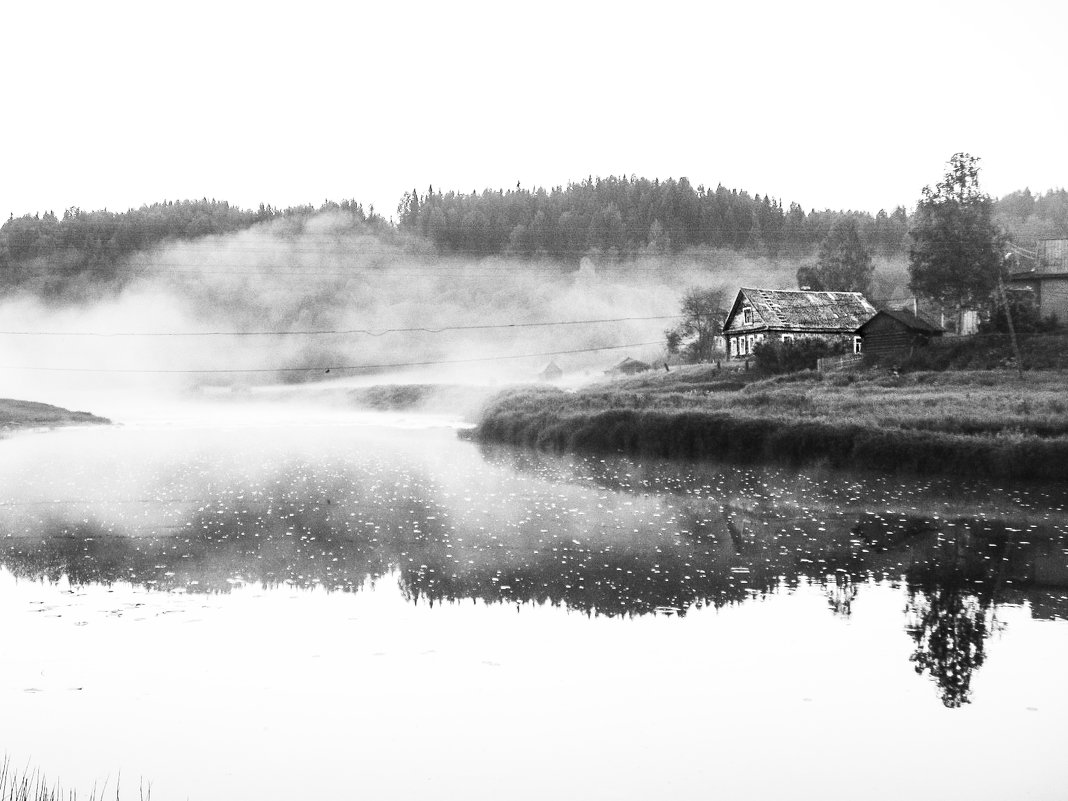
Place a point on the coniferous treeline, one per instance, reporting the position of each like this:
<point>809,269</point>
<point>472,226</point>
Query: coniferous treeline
<point>623,216</point>
<point>94,243</point>
<point>632,215</point>
<point>1027,217</point>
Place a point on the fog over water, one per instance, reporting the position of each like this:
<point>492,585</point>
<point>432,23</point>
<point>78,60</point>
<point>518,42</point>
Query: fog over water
<point>295,606</point>
<point>251,588</point>
<point>330,273</point>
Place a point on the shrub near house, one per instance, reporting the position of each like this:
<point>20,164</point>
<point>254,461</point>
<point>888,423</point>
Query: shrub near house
<point>791,356</point>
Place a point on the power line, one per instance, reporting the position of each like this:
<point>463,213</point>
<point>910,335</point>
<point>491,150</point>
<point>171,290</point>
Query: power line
<point>514,265</point>
<point>287,271</point>
<point>327,368</point>
<point>351,238</point>
<point>333,332</point>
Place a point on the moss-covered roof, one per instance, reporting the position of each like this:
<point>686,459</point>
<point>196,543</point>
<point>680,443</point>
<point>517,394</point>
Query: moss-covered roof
<point>804,310</point>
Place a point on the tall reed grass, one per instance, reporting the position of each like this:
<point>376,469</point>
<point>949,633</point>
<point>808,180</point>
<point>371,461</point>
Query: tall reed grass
<point>31,784</point>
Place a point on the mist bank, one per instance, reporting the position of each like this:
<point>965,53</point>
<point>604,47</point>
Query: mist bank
<point>331,299</point>
<point>965,424</point>
<point>17,414</point>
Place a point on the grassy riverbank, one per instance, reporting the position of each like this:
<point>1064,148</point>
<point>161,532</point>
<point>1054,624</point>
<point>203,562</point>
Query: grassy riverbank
<point>981,423</point>
<point>18,414</point>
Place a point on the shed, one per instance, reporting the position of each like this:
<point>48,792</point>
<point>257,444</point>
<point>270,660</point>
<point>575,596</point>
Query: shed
<point>628,366</point>
<point>784,315</point>
<point>896,332</point>
<point>552,372</point>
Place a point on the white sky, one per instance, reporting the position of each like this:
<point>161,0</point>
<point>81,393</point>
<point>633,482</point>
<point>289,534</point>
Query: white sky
<point>841,105</point>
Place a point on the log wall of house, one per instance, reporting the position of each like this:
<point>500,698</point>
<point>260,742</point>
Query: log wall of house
<point>1053,298</point>
<point>888,337</point>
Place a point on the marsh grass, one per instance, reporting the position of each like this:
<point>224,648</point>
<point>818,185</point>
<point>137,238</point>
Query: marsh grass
<point>989,424</point>
<point>32,785</point>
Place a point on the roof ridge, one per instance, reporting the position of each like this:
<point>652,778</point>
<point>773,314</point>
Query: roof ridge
<point>803,291</point>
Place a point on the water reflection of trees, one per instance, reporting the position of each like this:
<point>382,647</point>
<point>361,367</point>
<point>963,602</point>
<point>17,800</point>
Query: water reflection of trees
<point>641,543</point>
<point>953,588</point>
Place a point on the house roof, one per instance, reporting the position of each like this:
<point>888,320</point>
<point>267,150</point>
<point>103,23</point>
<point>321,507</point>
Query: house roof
<point>629,365</point>
<point>804,310</point>
<point>907,319</point>
<point>1032,275</point>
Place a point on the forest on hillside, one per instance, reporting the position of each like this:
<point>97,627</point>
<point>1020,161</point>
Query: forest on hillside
<point>46,253</point>
<point>623,217</point>
<point>633,215</point>
<point>638,215</point>
<point>1026,217</point>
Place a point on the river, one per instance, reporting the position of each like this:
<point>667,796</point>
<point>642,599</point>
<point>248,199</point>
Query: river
<point>371,607</point>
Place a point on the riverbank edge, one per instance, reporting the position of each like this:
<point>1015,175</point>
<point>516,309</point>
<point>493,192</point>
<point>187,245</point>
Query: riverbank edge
<point>695,434</point>
<point>23,416</point>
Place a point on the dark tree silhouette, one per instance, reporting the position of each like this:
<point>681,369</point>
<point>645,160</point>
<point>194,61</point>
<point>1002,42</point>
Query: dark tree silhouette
<point>702,321</point>
<point>957,249</point>
<point>844,263</point>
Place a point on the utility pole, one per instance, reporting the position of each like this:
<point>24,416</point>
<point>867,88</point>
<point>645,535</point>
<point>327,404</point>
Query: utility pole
<point>1008,317</point>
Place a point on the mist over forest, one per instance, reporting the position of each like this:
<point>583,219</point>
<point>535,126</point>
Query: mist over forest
<point>601,249</point>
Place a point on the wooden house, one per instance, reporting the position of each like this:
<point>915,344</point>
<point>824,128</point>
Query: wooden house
<point>552,372</point>
<point>628,366</point>
<point>784,315</point>
<point>1047,278</point>
<point>893,333</point>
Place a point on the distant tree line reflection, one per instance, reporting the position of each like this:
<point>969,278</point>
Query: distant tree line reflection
<point>636,543</point>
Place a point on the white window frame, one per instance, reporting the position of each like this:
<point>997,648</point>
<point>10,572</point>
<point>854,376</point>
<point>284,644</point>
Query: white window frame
<point>858,345</point>
<point>747,316</point>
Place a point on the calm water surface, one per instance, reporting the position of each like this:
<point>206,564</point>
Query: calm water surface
<point>381,610</point>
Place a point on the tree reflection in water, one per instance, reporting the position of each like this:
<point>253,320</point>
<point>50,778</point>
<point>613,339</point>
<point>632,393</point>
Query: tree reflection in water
<point>603,537</point>
<point>951,608</point>
<point>949,626</point>
<point>841,592</point>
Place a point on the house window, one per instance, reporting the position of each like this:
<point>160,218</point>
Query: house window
<point>787,338</point>
<point>747,316</point>
<point>858,344</point>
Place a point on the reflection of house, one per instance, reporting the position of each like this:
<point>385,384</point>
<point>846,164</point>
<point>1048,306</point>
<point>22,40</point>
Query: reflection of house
<point>1047,278</point>
<point>896,333</point>
<point>551,372</point>
<point>628,366</point>
<point>760,315</point>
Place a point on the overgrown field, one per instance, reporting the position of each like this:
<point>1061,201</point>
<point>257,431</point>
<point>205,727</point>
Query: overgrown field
<point>990,423</point>
<point>27,414</point>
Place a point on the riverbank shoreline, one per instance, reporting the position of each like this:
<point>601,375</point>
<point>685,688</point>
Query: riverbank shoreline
<point>20,415</point>
<point>980,424</point>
